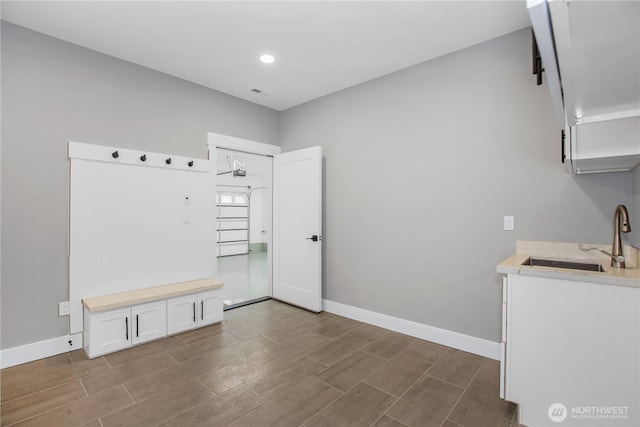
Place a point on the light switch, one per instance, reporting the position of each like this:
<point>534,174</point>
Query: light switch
<point>509,223</point>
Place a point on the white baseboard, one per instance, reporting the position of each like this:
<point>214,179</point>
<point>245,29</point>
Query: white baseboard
<point>455,340</point>
<point>39,350</point>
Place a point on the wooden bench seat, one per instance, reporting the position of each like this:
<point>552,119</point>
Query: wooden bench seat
<point>124,299</point>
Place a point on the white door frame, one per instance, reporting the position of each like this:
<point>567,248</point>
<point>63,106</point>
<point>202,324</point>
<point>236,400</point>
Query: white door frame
<point>216,140</point>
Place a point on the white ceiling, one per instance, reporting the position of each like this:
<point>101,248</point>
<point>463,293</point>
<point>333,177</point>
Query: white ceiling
<point>320,47</point>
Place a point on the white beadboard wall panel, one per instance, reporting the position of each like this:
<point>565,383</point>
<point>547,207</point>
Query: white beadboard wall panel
<point>133,226</point>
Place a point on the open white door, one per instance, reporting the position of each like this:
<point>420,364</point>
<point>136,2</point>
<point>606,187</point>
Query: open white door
<point>297,228</point>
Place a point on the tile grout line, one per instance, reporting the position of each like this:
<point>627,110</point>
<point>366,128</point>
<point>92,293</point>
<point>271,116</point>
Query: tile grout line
<point>452,422</point>
<point>402,395</point>
<point>425,373</point>
<point>387,361</point>
<point>439,359</point>
<point>362,381</point>
<point>330,403</point>
<point>51,409</point>
<point>333,364</point>
<point>395,419</point>
<point>465,390</point>
<point>373,354</point>
<point>107,362</point>
<point>128,394</point>
<point>83,388</point>
<point>446,382</point>
<point>19,367</point>
<point>214,392</point>
<point>345,392</point>
<point>289,334</point>
<point>176,359</point>
<point>40,391</point>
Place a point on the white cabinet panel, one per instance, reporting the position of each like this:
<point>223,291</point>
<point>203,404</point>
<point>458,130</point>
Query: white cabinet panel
<point>181,314</point>
<point>606,146</point>
<point>110,331</point>
<point>574,343</point>
<point>210,307</point>
<point>594,45</point>
<point>149,321</point>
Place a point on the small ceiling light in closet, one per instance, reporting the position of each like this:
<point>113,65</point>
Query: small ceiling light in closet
<point>267,59</point>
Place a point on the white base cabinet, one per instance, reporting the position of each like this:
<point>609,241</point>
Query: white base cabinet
<point>107,332</point>
<point>193,311</point>
<point>116,329</point>
<point>210,308</point>
<point>572,352</point>
<point>181,314</point>
<point>149,322</point>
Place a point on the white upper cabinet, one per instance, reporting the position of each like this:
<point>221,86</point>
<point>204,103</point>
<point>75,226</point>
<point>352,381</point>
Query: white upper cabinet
<point>590,51</point>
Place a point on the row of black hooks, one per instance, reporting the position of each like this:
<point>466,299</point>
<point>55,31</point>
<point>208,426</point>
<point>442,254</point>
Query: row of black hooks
<point>143,158</point>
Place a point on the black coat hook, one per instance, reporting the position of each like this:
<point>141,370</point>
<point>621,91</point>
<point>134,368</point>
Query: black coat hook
<point>143,158</point>
<point>190,163</point>
<point>115,155</point>
<point>168,161</point>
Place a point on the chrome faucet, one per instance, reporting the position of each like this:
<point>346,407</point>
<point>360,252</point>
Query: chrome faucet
<point>621,215</point>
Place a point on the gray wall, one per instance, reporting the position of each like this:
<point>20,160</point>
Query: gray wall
<point>53,92</point>
<point>421,166</point>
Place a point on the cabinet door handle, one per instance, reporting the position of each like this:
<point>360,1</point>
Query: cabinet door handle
<point>137,324</point>
<point>194,312</point>
<point>202,310</point>
<point>562,145</point>
<point>126,328</point>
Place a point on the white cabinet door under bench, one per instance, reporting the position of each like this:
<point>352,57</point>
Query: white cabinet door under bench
<point>193,311</point>
<point>114,330</point>
<point>108,331</point>
<point>115,322</point>
<point>149,322</point>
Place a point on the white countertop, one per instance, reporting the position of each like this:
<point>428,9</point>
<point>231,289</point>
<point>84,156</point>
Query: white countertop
<point>629,276</point>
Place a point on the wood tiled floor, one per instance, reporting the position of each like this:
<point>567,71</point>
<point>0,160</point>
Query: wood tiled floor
<point>267,364</point>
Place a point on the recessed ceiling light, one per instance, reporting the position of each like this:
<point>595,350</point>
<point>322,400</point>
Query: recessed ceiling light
<point>267,59</point>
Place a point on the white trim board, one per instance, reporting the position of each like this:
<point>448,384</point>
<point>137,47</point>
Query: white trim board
<point>215,141</point>
<point>452,339</point>
<point>39,350</point>
<point>238,144</point>
<point>51,347</point>
<point>102,153</point>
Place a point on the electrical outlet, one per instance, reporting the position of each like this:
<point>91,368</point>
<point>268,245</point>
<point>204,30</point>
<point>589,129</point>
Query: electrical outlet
<point>509,224</point>
<point>63,308</point>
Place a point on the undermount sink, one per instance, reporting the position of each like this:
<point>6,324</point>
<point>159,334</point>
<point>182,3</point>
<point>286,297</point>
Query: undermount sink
<point>571,265</point>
